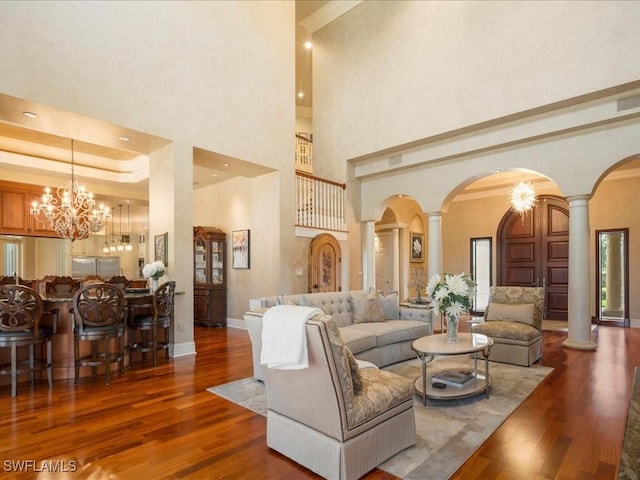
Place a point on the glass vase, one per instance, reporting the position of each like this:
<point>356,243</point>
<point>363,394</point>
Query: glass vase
<point>452,328</point>
<point>153,284</point>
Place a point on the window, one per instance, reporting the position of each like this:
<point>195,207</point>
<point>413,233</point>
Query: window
<point>10,257</point>
<point>481,272</point>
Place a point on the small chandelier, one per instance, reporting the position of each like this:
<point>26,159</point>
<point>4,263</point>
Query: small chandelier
<point>522,197</point>
<point>71,213</point>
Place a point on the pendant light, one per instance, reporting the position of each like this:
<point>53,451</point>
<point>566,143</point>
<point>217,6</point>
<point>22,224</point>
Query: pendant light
<point>126,239</point>
<point>120,245</point>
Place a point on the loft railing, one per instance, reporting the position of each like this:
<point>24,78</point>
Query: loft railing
<point>319,203</point>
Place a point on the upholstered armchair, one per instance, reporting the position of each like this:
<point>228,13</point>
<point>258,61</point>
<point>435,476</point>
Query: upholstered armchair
<point>513,319</point>
<point>332,417</point>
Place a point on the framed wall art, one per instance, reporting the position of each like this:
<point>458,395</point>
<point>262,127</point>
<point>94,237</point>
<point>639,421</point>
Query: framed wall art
<point>240,246</point>
<point>160,245</point>
<point>417,247</point>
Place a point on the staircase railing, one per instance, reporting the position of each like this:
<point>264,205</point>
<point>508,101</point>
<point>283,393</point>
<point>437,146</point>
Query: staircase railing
<point>320,203</point>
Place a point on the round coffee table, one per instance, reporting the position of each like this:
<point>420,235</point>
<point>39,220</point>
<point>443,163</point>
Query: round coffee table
<point>468,343</point>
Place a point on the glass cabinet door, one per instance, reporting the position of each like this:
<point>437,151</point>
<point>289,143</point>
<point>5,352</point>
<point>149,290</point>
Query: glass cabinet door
<point>217,258</point>
<point>200,264</point>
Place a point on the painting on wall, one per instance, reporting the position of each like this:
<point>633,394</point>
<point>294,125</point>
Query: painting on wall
<point>417,247</point>
<point>160,245</point>
<point>240,246</point>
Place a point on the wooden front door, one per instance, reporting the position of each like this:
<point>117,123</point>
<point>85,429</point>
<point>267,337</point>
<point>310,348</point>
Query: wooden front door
<point>534,251</point>
<point>325,264</point>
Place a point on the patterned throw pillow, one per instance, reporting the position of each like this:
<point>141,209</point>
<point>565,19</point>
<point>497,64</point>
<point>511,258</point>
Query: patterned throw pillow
<point>366,307</point>
<point>506,312</point>
<point>354,369</point>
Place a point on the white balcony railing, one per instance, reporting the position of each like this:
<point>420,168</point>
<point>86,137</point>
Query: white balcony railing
<point>304,152</point>
<point>319,203</point>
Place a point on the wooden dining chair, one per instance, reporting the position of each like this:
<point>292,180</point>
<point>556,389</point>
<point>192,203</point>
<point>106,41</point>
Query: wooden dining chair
<point>98,318</point>
<point>89,279</point>
<point>148,324</point>
<point>119,281</point>
<point>21,311</point>
<point>62,286</point>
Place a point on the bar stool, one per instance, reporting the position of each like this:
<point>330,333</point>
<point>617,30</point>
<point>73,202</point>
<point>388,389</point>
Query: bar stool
<point>149,323</point>
<point>98,311</point>
<point>21,309</point>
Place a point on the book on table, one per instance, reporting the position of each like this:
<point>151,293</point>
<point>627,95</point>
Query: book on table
<point>454,378</point>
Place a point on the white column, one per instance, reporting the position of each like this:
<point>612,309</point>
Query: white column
<point>579,336</point>
<point>435,244</point>
<point>395,239</point>
<point>171,211</point>
<point>368,255</point>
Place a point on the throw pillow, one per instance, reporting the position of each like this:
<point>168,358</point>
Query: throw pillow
<point>354,369</point>
<point>391,305</point>
<point>306,301</point>
<point>517,312</point>
<point>366,307</point>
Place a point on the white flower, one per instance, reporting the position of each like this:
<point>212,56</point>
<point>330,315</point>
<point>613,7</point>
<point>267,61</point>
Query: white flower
<point>450,293</point>
<point>153,270</point>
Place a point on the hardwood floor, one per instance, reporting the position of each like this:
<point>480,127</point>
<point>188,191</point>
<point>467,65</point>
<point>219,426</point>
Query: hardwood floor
<point>162,423</point>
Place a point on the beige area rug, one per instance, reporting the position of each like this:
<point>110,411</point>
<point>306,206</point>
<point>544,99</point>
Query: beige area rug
<point>448,432</point>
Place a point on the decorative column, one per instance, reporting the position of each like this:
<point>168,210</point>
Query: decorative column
<point>434,258</point>
<point>395,280</point>
<point>368,255</point>
<point>579,336</point>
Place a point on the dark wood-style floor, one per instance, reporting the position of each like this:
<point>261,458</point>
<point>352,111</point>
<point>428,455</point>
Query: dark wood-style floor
<point>162,423</point>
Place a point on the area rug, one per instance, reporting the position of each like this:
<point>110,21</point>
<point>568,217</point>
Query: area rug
<point>448,431</point>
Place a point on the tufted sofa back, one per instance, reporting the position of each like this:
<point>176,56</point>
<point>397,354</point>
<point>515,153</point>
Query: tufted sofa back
<point>336,304</point>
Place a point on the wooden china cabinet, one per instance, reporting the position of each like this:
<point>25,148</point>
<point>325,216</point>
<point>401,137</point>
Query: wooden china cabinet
<point>210,277</point>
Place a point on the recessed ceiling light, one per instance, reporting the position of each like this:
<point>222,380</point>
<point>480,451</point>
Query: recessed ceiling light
<point>226,164</point>
<point>30,114</point>
<point>300,94</point>
<point>308,45</point>
<point>124,139</point>
<point>214,174</point>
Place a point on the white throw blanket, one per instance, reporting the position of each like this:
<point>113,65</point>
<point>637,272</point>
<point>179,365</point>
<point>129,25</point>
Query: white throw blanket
<point>284,337</point>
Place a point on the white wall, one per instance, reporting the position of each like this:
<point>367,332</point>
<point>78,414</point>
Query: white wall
<point>213,75</point>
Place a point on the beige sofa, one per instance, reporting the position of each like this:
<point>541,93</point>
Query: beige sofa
<point>351,419</point>
<point>376,328</point>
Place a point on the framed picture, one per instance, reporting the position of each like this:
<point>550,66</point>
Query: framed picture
<point>160,243</point>
<point>240,246</point>
<point>417,247</point>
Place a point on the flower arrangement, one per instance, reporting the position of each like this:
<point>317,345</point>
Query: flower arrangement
<point>154,270</point>
<point>450,293</point>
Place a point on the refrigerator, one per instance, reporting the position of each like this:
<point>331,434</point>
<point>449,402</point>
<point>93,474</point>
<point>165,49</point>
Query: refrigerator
<point>83,266</point>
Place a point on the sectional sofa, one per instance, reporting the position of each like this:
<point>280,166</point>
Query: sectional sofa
<point>375,327</point>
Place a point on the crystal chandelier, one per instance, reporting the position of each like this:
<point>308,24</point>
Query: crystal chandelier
<point>523,198</point>
<point>71,212</point>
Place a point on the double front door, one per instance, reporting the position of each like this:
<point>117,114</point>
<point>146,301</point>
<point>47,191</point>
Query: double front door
<point>533,250</point>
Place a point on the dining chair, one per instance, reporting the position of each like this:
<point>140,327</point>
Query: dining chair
<point>119,281</point>
<point>98,311</point>
<point>62,286</point>
<point>21,311</point>
<point>89,279</point>
<point>161,318</point>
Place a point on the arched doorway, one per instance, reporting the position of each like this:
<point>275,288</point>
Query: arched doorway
<point>325,264</point>
<point>534,250</point>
